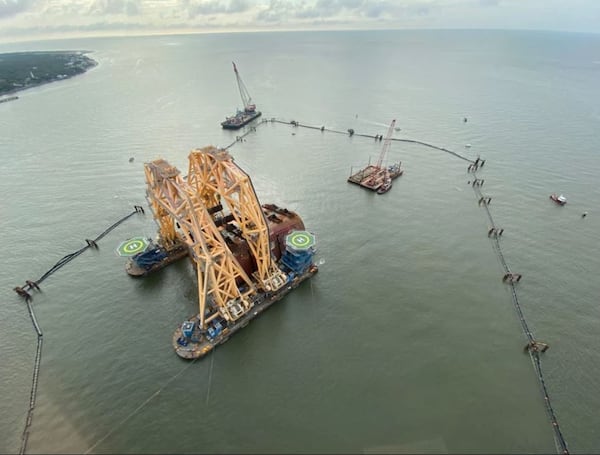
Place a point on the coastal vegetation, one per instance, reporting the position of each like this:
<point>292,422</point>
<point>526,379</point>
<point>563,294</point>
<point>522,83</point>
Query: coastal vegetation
<point>23,70</point>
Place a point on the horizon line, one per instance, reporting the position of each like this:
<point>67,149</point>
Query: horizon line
<point>124,34</point>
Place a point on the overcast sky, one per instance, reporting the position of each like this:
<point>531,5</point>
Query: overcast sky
<point>32,19</point>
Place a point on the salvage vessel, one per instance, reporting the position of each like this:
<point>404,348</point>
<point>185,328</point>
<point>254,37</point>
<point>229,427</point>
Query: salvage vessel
<point>246,256</point>
<point>160,254</point>
<point>246,115</point>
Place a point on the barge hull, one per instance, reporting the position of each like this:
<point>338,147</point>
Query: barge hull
<point>232,124</point>
<point>363,177</point>
<point>173,255</point>
<point>196,350</point>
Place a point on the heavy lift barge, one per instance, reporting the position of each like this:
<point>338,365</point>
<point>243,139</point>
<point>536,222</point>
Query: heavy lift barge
<point>246,256</point>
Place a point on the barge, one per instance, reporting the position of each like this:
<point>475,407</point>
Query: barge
<point>197,336</point>
<point>246,256</point>
<point>155,257</point>
<point>245,116</point>
<point>240,119</point>
<point>190,342</point>
<point>158,255</point>
<point>378,177</point>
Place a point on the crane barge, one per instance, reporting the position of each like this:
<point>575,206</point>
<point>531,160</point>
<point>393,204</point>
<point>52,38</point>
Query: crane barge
<point>247,256</point>
<point>249,113</point>
<point>379,177</point>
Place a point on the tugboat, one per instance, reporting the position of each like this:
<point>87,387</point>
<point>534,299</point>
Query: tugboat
<point>386,185</point>
<point>249,113</point>
<point>560,200</point>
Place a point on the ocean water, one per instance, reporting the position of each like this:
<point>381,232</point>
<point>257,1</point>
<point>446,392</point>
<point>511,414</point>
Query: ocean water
<point>406,340</point>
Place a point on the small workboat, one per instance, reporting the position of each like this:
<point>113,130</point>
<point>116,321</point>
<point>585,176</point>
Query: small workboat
<point>560,200</point>
<point>385,186</point>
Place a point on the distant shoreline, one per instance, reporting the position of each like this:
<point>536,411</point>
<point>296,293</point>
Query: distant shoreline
<point>24,70</point>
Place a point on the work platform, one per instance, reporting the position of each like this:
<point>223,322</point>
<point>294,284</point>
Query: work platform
<point>376,178</point>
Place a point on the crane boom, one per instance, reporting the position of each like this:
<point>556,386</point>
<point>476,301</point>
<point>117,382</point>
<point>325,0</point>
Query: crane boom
<point>244,94</point>
<point>386,144</point>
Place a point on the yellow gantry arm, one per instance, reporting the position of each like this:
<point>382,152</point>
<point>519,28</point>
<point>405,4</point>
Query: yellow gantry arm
<point>213,171</point>
<point>218,270</point>
<point>166,225</point>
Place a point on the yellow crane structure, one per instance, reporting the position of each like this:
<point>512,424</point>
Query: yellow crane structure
<point>192,210</point>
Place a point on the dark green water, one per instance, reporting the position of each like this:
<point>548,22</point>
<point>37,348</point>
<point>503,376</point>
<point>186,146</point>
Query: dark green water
<point>406,340</point>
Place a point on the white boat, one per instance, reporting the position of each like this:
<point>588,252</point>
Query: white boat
<point>560,200</point>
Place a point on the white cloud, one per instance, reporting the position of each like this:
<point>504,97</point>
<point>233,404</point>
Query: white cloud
<point>114,7</point>
<point>13,7</point>
<point>31,18</point>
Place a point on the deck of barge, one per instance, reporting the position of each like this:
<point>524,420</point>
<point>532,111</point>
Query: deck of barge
<point>372,177</point>
<point>200,345</point>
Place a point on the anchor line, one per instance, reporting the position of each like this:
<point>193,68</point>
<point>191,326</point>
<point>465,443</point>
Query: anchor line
<point>458,155</point>
<point>34,383</point>
<point>241,138</point>
<point>34,285</point>
<point>113,226</point>
<point>69,257</point>
<point>558,436</point>
<point>351,132</point>
<point>559,440</point>
<point>139,408</point>
<point>210,374</point>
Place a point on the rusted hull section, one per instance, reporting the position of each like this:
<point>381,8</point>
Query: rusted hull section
<point>280,221</point>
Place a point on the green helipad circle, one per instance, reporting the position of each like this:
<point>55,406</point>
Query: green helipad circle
<point>132,246</point>
<point>300,239</point>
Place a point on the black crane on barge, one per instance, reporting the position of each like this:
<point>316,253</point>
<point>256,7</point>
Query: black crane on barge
<point>249,113</point>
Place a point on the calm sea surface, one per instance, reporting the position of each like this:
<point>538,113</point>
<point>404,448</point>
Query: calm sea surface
<point>406,340</point>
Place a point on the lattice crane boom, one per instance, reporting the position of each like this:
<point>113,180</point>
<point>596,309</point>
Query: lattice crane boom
<point>245,95</point>
<point>386,144</point>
